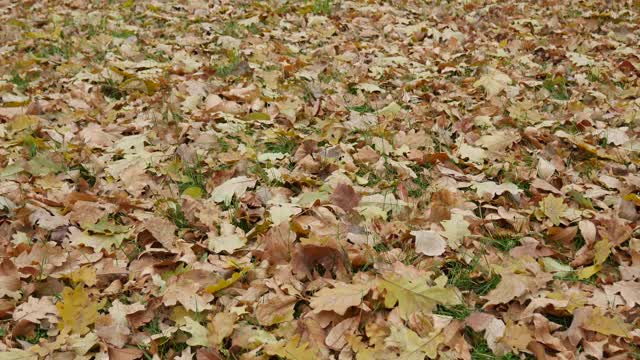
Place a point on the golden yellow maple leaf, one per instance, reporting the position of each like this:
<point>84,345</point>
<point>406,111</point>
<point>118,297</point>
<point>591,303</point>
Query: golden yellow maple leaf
<point>294,349</point>
<point>553,207</point>
<point>85,275</point>
<point>413,295</point>
<point>76,310</point>
<point>605,325</point>
<point>602,249</point>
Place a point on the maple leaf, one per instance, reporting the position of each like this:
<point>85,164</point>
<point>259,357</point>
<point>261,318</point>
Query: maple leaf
<point>455,230</point>
<point>17,354</point>
<point>413,295</point>
<point>553,208</point>
<point>494,81</point>
<point>429,242</point>
<point>232,187</point>
<point>221,326</point>
<point>474,154</point>
<point>9,279</point>
<point>339,298</point>
<point>274,309</point>
<point>225,283</point>
<point>345,197</point>
<point>95,241</point>
<point>294,349</point>
<point>114,328</point>
<point>603,324</point>
<point>76,310</point>
<point>163,231</point>
<point>36,309</point>
<point>231,238</point>
<point>85,275</point>
<point>185,292</point>
<point>509,287</point>
<point>199,333</point>
<point>493,189</point>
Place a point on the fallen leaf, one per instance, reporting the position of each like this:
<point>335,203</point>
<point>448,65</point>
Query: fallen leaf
<point>345,197</point>
<point>232,187</point>
<point>554,208</point>
<point>413,295</point>
<point>339,298</point>
<point>429,243</point>
<point>493,81</point>
<point>455,230</point>
<point>76,310</point>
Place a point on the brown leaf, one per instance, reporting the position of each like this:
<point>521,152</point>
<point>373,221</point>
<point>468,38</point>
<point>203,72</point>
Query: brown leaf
<point>9,279</point>
<point>163,231</point>
<point>274,309</point>
<point>337,338</point>
<point>124,354</point>
<point>345,197</point>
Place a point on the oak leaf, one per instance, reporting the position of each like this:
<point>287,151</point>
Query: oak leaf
<point>340,298</point>
<point>414,346</point>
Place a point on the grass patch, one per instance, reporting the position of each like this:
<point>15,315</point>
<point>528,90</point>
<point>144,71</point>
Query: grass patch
<point>176,215</point>
<point>321,7</point>
<point>468,277</point>
<point>481,351</point>
<point>557,86</point>
<point>193,177</point>
<point>502,242</point>
<point>281,144</point>
<point>227,69</point>
<point>363,109</point>
<point>458,312</point>
<point>38,333</point>
<point>22,83</point>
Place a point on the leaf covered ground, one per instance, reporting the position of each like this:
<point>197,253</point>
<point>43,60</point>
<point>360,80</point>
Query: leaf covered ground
<point>319,180</point>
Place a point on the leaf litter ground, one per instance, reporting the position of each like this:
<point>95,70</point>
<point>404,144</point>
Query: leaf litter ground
<point>319,180</point>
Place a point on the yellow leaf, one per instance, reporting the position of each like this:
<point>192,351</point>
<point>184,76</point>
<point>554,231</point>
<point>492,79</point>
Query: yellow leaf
<point>225,283</point>
<point>632,197</point>
<point>77,311</point>
<point>553,207</point>
<point>17,354</point>
<point>413,295</point>
<point>598,322</point>
<point>193,191</point>
<point>294,349</point>
<point>413,346</point>
<point>86,275</point>
<point>588,271</point>
<point>199,333</point>
<point>602,250</point>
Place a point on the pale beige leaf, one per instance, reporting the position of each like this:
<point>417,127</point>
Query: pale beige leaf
<point>339,298</point>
